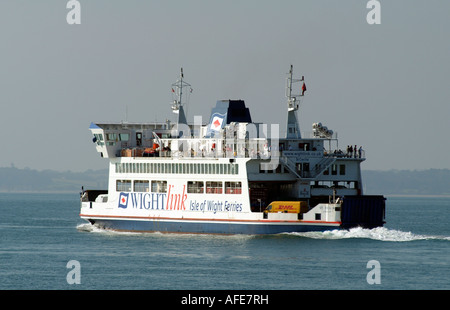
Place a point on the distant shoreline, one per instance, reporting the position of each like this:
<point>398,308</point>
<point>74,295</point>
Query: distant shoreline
<point>77,192</point>
<point>393,183</point>
<point>416,196</point>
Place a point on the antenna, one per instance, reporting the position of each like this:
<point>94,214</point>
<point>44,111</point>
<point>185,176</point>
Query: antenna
<point>293,98</point>
<point>177,90</point>
<point>177,95</point>
<point>293,128</point>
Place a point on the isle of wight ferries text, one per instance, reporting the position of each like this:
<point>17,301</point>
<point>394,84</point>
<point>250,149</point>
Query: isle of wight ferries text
<point>173,200</point>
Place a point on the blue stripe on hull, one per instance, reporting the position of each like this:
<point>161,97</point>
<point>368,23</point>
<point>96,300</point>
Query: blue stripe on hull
<point>208,227</point>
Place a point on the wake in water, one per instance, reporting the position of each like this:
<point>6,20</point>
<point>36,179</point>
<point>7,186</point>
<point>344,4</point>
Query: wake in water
<point>86,227</point>
<point>379,233</point>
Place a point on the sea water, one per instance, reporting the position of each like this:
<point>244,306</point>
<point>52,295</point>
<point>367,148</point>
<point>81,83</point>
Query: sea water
<point>40,234</point>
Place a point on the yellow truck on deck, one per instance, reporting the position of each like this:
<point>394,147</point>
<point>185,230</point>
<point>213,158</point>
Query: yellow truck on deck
<point>287,207</point>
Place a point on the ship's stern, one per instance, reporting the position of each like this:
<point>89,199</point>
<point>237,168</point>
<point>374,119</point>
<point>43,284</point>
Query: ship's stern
<point>363,211</point>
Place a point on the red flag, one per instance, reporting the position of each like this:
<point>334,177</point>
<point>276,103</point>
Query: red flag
<point>173,90</point>
<point>303,88</point>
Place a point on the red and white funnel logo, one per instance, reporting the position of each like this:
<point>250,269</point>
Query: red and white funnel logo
<point>216,123</point>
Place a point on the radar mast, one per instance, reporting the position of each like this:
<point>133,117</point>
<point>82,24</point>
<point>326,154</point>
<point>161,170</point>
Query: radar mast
<point>293,127</point>
<point>177,104</point>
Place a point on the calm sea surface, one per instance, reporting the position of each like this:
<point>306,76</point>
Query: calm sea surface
<point>41,233</point>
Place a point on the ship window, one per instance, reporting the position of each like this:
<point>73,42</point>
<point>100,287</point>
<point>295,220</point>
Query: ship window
<point>305,167</point>
<point>98,136</point>
<point>195,187</point>
<point>342,169</point>
<point>233,187</point>
<point>334,169</point>
<point>124,136</point>
<point>159,186</point>
<point>213,187</point>
<point>123,185</point>
<point>141,186</point>
<point>111,136</point>
<point>234,168</point>
<point>99,139</point>
<point>185,168</point>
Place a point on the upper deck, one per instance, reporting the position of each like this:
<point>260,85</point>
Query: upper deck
<point>230,133</point>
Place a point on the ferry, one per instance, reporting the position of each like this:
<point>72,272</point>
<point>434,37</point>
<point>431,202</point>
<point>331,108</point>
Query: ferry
<point>228,175</point>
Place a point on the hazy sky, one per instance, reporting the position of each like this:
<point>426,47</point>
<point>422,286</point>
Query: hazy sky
<point>385,87</point>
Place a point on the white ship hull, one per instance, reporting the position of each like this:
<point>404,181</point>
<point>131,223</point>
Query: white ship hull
<point>215,210</point>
